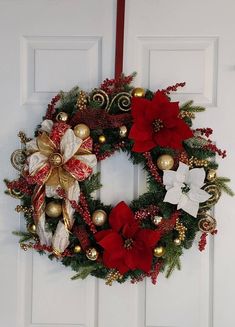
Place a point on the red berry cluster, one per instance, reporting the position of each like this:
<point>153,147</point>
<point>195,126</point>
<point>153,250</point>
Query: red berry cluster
<point>173,88</point>
<point>150,211</point>
<point>83,210</point>
<point>20,185</point>
<point>202,243</point>
<point>212,147</point>
<point>153,274</point>
<point>82,235</point>
<point>51,107</point>
<point>107,154</point>
<point>205,131</point>
<point>39,247</point>
<point>166,225</point>
<point>152,168</point>
<point>111,86</point>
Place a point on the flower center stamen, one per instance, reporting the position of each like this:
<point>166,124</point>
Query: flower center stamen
<point>56,159</point>
<point>185,188</point>
<point>128,244</point>
<point>157,125</point>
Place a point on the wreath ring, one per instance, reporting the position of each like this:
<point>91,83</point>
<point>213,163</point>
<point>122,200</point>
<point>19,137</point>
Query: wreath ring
<point>56,182</point>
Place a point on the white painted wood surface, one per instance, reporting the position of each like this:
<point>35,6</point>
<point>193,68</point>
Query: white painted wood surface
<point>49,45</point>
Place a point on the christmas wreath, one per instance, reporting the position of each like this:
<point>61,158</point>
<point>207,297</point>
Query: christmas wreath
<point>56,182</point>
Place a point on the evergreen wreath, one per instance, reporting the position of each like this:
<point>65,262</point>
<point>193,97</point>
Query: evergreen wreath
<point>56,182</point>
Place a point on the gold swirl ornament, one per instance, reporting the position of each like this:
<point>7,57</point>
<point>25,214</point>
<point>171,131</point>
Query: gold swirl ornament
<point>18,159</point>
<point>16,193</point>
<point>215,193</point>
<point>207,224</point>
<point>101,98</point>
<point>123,100</point>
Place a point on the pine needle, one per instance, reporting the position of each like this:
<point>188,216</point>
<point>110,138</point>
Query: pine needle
<point>188,106</point>
<point>221,183</point>
<point>84,272</point>
<point>92,184</point>
<point>23,236</point>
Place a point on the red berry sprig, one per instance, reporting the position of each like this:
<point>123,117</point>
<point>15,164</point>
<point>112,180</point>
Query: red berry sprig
<point>173,88</point>
<point>152,168</point>
<point>205,131</point>
<point>51,107</point>
<point>202,243</point>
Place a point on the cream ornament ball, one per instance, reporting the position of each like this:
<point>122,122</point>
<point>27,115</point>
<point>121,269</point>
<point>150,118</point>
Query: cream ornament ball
<point>123,131</point>
<point>99,217</point>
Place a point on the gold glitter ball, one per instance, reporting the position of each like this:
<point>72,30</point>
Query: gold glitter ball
<point>82,131</point>
<point>138,92</point>
<point>53,209</point>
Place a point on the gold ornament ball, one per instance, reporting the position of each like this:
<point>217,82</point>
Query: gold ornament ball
<point>77,249</point>
<point>102,139</point>
<point>55,159</point>
<point>53,209</point>
<point>165,162</point>
<point>92,254</point>
<point>62,116</point>
<point>156,220</point>
<point>123,131</point>
<point>138,92</point>
<point>99,217</point>
<point>177,241</point>
<point>32,228</point>
<point>159,251</point>
<point>82,131</point>
<point>211,175</point>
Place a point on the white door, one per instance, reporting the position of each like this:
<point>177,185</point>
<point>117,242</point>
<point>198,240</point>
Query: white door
<point>49,45</point>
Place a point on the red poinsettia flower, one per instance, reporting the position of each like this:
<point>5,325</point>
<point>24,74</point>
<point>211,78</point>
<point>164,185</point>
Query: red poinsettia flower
<point>126,245</point>
<point>157,123</point>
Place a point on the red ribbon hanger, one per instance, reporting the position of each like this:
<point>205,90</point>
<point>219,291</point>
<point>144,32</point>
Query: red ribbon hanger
<point>119,37</point>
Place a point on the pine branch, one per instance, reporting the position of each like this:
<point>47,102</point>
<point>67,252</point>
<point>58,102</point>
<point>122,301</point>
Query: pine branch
<point>92,184</point>
<point>175,263</point>
<point>188,106</point>
<point>84,272</point>
<point>221,183</point>
<point>24,236</point>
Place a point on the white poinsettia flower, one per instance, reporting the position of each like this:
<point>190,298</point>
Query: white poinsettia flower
<point>184,188</point>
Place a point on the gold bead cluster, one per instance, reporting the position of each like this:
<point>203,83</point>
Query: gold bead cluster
<point>181,229</point>
<point>112,276</point>
<point>195,162</point>
<point>26,246</point>
<point>82,100</point>
<point>187,114</point>
<point>24,209</point>
<point>23,138</point>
